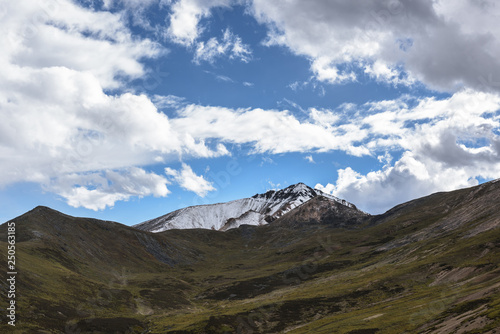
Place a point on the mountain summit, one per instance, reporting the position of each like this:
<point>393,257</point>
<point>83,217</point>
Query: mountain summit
<point>259,209</point>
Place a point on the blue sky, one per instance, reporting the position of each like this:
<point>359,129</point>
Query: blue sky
<point>127,110</point>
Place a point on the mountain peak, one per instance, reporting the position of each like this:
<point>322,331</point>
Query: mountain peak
<point>259,209</point>
<point>298,187</point>
<point>44,210</point>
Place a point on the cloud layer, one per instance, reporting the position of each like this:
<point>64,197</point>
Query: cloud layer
<point>445,44</point>
<point>71,122</point>
<point>446,144</point>
<point>59,124</point>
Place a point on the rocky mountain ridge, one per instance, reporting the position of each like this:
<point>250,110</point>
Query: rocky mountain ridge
<point>257,210</point>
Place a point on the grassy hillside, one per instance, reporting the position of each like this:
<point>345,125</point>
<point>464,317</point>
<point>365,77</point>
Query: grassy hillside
<point>426,266</point>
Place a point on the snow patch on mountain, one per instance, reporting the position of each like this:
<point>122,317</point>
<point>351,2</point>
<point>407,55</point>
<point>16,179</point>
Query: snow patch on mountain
<point>260,209</point>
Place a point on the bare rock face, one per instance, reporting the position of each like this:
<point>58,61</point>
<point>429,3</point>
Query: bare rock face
<point>325,211</point>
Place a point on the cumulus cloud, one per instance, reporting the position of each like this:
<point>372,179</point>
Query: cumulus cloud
<point>69,124</point>
<point>99,190</point>
<point>447,144</point>
<point>445,44</point>
<point>188,180</point>
<point>58,61</point>
<point>185,17</point>
<point>52,79</point>
<point>409,178</point>
<point>37,37</point>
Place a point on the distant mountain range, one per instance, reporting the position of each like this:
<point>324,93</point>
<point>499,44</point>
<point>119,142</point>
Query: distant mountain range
<point>306,263</point>
<point>259,209</point>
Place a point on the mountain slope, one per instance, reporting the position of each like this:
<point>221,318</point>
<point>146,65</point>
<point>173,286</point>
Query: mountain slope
<point>431,265</point>
<point>260,209</point>
<point>475,207</point>
<point>72,268</point>
<point>323,210</point>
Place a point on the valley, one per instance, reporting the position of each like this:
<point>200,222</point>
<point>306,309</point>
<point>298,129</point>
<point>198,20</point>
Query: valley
<point>426,266</point>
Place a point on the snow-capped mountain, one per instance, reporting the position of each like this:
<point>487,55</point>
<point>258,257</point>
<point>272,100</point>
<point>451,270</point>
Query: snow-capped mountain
<point>260,209</point>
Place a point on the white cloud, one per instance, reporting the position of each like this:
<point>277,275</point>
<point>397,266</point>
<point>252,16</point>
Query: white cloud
<point>410,177</point>
<point>185,17</point>
<point>69,36</point>
<point>136,9</point>
<point>269,131</point>
<point>309,159</point>
<point>326,70</point>
<point>446,144</point>
<point>224,78</point>
<point>267,160</point>
<point>168,101</point>
<point>185,29</point>
<point>131,4</point>
<point>312,84</point>
<point>230,45</point>
<point>63,129</point>
<point>445,44</point>
<point>273,186</point>
<point>325,118</point>
<point>295,85</point>
<point>381,71</point>
<point>188,180</point>
<point>96,191</point>
<point>57,61</point>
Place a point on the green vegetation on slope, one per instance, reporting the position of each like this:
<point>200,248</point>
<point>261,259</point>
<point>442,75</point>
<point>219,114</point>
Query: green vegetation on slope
<point>427,266</point>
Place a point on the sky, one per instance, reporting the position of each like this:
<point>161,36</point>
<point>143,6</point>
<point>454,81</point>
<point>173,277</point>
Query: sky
<point>126,110</point>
